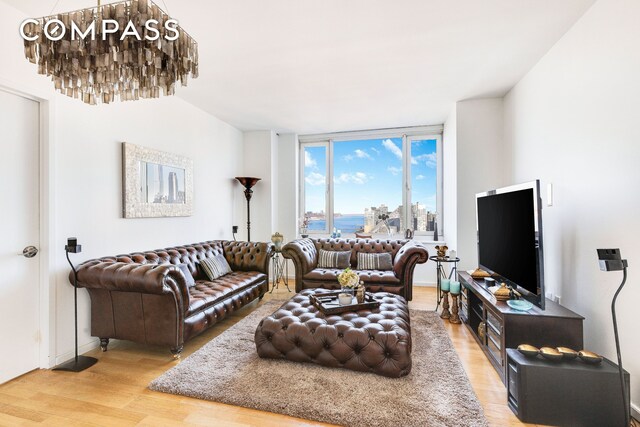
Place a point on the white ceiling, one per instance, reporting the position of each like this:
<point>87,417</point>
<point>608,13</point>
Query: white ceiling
<point>311,66</point>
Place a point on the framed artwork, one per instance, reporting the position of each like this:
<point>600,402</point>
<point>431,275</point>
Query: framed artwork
<point>155,183</point>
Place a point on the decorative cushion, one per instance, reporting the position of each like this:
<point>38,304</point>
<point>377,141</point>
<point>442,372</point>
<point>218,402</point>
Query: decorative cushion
<point>215,267</point>
<point>372,261</point>
<point>187,275</point>
<point>333,259</point>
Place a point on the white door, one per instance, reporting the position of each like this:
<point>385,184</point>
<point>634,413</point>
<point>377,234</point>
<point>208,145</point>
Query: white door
<point>19,229</point>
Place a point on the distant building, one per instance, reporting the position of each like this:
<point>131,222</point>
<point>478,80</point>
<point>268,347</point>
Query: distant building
<point>172,197</point>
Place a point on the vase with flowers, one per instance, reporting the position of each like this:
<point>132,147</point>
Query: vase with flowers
<point>349,281</point>
<point>303,223</point>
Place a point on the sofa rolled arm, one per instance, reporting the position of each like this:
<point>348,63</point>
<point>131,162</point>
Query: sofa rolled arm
<point>134,277</point>
<point>248,256</point>
<point>303,253</point>
<point>412,253</point>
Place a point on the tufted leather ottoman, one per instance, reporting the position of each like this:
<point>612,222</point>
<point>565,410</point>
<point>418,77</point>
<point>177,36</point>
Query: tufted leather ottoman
<point>377,340</point>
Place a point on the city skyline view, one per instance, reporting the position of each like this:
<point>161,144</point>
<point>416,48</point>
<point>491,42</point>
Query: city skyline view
<point>368,173</point>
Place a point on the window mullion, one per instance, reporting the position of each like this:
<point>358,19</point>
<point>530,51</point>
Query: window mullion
<point>329,201</point>
<point>406,182</point>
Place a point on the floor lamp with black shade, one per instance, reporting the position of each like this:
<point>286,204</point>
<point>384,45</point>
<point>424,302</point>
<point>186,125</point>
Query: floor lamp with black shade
<point>611,260</point>
<point>248,182</point>
<point>78,363</point>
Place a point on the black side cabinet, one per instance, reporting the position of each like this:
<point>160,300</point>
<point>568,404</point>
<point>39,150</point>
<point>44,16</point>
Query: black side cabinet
<point>570,393</point>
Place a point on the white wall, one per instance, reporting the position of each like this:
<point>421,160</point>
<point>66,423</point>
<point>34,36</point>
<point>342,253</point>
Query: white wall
<point>261,161</point>
<point>87,178</point>
<point>450,179</point>
<point>478,159</point>
<point>573,121</point>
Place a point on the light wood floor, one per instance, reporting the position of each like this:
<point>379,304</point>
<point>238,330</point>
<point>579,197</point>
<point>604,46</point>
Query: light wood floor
<point>113,392</point>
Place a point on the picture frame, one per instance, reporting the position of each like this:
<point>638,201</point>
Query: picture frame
<point>155,183</point>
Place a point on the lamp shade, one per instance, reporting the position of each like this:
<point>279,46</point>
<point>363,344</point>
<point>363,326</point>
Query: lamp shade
<point>247,181</point>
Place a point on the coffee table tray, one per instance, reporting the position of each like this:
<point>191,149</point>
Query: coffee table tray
<point>328,303</point>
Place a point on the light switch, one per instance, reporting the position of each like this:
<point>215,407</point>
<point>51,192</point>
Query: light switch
<point>549,194</point>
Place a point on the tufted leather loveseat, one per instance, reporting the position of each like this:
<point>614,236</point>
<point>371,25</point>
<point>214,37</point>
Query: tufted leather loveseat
<point>376,340</point>
<point>405,255</point>
<point>144,297</point>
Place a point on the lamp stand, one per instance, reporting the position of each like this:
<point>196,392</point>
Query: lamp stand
<point>248,182</point>
<point>78,363</point>
<point>247,194</point>
<point>615,332</point>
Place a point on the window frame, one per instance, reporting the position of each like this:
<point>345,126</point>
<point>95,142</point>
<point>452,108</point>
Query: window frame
<point>408,135</point>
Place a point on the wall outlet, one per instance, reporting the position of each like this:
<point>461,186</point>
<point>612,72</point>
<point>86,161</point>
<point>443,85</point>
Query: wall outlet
<point>553,297</point>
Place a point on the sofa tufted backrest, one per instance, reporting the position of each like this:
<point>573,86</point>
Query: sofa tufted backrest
<point>241,256</point>
<point>360,245</point>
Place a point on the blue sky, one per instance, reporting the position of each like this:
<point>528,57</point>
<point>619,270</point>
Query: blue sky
<point>369,173</point>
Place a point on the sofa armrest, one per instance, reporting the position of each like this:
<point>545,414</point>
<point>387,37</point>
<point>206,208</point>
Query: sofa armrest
<point>304,255</point>
<point>134,277</point>
<point>248,256</point>
<point>412,253</point>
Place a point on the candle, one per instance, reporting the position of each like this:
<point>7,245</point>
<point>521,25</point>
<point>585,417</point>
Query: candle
<point>345,299</point>
<point>455,287</point>
<point>444,285</point>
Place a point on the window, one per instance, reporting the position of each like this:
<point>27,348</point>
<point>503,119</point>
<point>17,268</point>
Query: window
<point>372,183</point>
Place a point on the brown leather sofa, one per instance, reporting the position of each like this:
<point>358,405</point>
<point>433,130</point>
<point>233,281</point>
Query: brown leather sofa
<point>144,297</point>
<point>405,255</point>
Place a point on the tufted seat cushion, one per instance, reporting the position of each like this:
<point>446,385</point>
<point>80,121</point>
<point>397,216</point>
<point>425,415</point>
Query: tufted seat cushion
<point>368,276</point>
<point>206,293</point>
<point>377,340</point>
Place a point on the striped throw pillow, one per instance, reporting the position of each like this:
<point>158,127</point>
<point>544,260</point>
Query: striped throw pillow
<point>333,259</point>
<point>215,267</point>
<point>381,261</point>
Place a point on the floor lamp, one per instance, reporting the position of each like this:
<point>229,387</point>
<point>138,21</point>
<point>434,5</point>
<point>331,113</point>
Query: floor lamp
<point>611,260</point>
<point>248,182</point>
<point>78,363</point>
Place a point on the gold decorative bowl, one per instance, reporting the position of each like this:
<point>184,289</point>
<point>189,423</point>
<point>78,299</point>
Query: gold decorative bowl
<point>502,293</point>
<point>528,350</point>
<point>567,353</point>
<point>590,357</point>
<point>551,354</point>
<point>479,273</point>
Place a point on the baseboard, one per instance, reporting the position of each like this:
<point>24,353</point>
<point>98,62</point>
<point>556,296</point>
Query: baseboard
<point>635,411</point>
<point>425,284</point>
<point>81,350</point>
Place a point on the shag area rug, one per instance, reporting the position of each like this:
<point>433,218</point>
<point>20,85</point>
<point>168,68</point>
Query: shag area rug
<point>437,392</point>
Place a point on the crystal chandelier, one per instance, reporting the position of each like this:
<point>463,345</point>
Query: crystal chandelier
<point>128,50</point>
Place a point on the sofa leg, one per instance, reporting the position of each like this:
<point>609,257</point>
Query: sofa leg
<point>260,297</point>
<point>177,351</point>
<point>104,343</point>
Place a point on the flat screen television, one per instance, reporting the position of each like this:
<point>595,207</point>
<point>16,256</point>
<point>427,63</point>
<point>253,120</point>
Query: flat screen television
<point>509,225</point>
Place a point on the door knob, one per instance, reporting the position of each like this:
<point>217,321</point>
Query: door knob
<point>30,252</point>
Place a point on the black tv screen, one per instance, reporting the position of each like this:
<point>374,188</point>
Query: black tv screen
<point>509,244</point>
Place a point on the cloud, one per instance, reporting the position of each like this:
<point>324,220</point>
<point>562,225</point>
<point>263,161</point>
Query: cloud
<point>362,154</point>
<point>394,171</point>
<point>420,177</point>
<point>315,178</point>
<point>430,160</point>
<point>352,178</point>
<point>375,150</point>
<point>393,148</point>
<point>309,162</point>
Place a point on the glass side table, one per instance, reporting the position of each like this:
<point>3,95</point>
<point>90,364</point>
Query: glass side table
<point>441,273</point>
<point>279,270</point>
